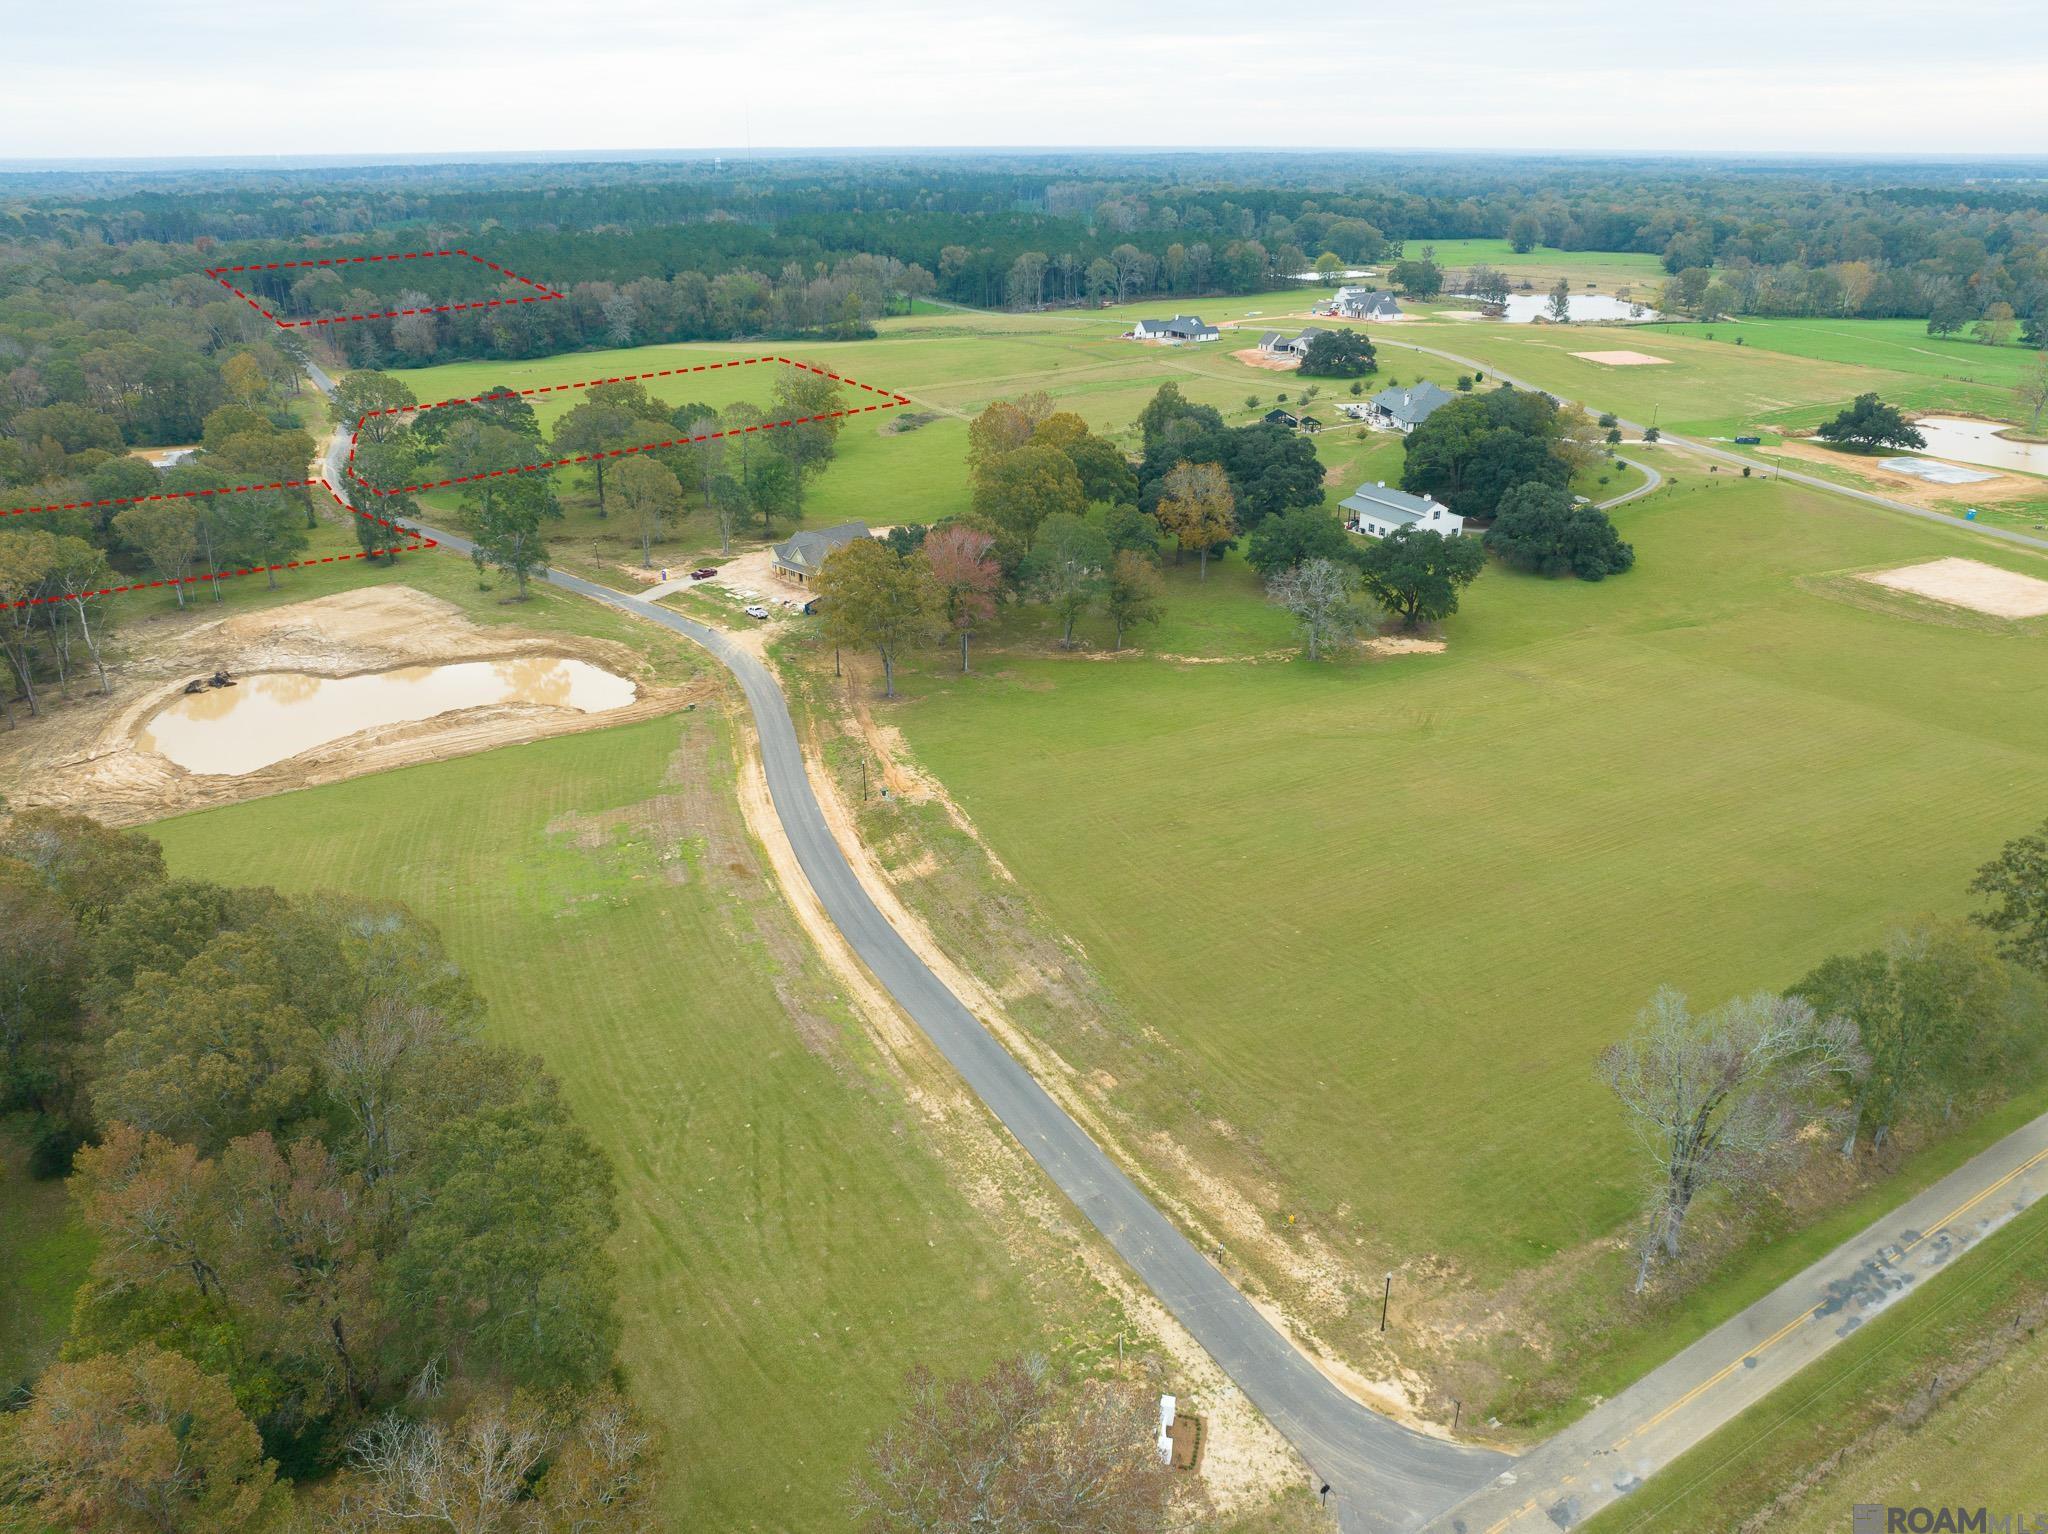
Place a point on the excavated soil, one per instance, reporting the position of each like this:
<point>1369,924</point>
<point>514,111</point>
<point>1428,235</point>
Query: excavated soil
<point>87,754</point>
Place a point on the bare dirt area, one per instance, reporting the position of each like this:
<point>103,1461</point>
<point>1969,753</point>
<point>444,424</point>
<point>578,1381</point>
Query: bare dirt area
<point>87,754</point>
<point>1623,359</point>
<point>1252,357</point>
<point>1910,488</point>
<point>1969,583</point>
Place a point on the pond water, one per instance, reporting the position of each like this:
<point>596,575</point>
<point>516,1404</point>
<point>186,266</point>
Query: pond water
<point>1979,442</point>
<point>274,716</point>
<point>1527,308</point>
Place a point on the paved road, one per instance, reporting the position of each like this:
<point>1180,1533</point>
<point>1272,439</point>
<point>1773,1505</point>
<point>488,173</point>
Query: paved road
<point>1771,467</point>
<point>1385,1478</point>
<point>1620,1443</point>
<point>1652,479</point>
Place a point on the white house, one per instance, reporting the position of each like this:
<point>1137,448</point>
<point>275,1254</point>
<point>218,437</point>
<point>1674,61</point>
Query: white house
<point>1182,329</point>
<point>1365,304</point>
<point>1375,511</point>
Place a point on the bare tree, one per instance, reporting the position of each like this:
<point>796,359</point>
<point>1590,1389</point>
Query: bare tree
<point>1323,597</point>
<point>1718,1099</point>
<point>1013,1451</point>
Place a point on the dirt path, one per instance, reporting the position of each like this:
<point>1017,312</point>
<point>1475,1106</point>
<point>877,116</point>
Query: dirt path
<point>85,754</point>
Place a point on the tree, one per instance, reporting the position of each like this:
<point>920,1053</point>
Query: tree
<point>167,534</point>
<point>1014,1450</point>
<point>812,408</point>
<point>1134,592</point>
<point>1488,284</point>
<point>652,495</point>
<point>141,1442</point>
<point>1540,528</point>
<point>1524,231</point>
<point>2017,879</point>
<point>1017,490</point>
<point>874,598</point>
<point>773,488</point>
<point>591,431</point>
<point>1338,354</point>
<point>2032,391</point>
<point>1066,568</point>
<point>1471,452</point>
<point>26,559</point>
<point>966,577</point>
<point>1936,1012</point>
<point>504,1464</point>
<point>1718,1100</point>
<point>1323,597</point>
<point>1997,326</point>
<point>1198,508</point>
<point>1280,543</point>
<point>222,1048</point>
<point>1418,279</point>
<point>1126,527</point>
<point>508,532</point>
<point>1419,574</point>
<point>40,975</point>
<point>1870,423</point>
<point>371,403</point>
<point>1560,305</point>
<point>504,1251</point>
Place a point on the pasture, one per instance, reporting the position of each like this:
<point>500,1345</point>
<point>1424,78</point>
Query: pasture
<point>791,1242</point>
<point>1369,925</point>
<point>1606,269</point>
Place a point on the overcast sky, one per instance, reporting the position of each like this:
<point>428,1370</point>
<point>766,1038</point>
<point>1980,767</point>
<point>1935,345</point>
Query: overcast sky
<point>198,77</point>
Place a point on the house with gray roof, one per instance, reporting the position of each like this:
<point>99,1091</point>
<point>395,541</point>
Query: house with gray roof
<point>1404,409</point>
<point>1274,344</point>
<point>804,554</point>
<point>1376,511</point>
<point>1181,329</point>
<point>1365,304</point>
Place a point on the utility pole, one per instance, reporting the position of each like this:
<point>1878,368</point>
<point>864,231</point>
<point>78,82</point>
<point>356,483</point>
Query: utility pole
<point>1386,1295</point>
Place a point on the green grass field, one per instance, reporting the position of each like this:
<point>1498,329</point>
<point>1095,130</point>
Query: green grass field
<point>1980,1445</point>
<point>1544,265</point>
<point>791,1243</point>
<point>1369,925</point>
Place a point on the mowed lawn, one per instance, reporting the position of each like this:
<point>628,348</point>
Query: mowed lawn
<point>1371,924</point>
<point>1709,386</point>
<point>791,1242</point>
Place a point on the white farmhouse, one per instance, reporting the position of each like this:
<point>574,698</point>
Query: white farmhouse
<point>1182,329</point>
<point>1376,511</point>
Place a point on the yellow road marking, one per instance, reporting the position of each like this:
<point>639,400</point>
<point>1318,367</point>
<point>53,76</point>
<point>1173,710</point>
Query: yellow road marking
<point>1789,1327</point>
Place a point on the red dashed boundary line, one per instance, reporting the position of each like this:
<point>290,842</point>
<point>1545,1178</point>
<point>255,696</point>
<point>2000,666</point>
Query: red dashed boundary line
<point>542,292</point>
<point>418,543</point>
<point>889,401</point>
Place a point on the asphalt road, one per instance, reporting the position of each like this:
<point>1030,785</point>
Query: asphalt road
<point>1384,1478</point>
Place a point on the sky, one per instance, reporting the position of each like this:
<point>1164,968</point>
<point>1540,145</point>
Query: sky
<point>125,78</point>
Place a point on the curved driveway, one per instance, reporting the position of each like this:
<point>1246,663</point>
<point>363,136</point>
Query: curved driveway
<point>1383,1476</point>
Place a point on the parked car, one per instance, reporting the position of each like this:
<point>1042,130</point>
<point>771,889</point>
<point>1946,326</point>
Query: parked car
<point>756,610</point>
<point>704,574</point>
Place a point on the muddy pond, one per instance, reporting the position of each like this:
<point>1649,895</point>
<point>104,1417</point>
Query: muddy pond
<point>275,716</point>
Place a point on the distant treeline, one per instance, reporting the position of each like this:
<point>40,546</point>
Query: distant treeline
<point>1060,228</point>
